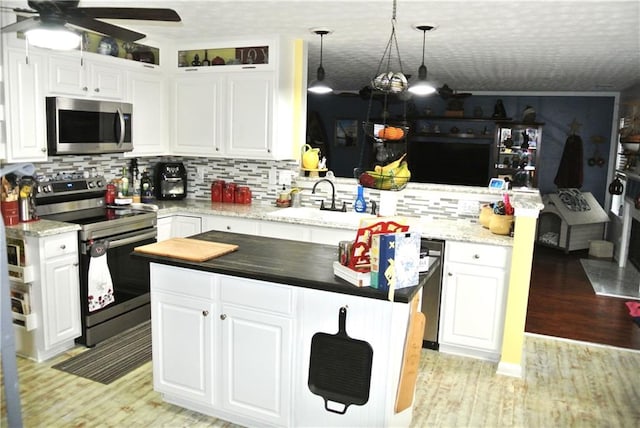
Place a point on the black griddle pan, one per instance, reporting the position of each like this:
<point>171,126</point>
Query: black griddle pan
<point>340,367</point>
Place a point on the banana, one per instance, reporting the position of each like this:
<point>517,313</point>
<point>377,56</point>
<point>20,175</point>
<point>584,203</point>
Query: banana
<point>393,165</point>
<point>387,178</point>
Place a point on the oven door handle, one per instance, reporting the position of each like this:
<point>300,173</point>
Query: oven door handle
<point>131,239</point>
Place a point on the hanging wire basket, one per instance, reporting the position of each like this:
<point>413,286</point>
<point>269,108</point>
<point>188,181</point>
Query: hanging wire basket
<point>388,136</point>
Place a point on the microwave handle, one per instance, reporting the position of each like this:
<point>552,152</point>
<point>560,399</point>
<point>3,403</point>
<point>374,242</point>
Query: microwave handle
<point>120,131</point>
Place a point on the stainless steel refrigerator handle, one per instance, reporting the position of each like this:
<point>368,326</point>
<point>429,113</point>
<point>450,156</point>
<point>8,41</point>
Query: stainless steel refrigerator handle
<point>122,129</point>
<point>125,241</point>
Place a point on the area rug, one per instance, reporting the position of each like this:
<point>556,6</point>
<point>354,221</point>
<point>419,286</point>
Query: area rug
<point>607,279</point>
<point>113,358</point>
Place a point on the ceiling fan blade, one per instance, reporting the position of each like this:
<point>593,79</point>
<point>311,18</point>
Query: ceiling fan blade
<point>107,29</point>
<point>145,14</point>
<point>22,25</point>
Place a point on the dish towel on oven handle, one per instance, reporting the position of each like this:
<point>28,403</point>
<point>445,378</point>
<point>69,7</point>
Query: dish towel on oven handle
<point>100,285</point>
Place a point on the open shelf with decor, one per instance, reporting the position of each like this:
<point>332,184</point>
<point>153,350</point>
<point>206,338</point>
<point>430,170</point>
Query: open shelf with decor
<point>517,151</point>
<point>224,56</point>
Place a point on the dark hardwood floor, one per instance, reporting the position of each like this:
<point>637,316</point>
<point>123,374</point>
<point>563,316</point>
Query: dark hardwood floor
<point>563,304</point>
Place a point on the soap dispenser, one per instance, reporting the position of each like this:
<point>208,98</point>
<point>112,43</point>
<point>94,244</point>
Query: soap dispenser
<point>360,205</point>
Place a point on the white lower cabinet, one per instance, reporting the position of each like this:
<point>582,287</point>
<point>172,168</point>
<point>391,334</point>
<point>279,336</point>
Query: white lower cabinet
<point>184,225</point>
<point>183,329</point>
<point>303,232</point>
<point>54,297</point>
<point>178,226</point>
<point>223,345</point>
<point>229,224</point>
<point>474,294</point>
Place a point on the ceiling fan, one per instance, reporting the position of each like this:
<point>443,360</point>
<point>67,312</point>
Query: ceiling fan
<point>58,13</point>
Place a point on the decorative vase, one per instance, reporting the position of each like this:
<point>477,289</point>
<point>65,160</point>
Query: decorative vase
<point>310,157</point>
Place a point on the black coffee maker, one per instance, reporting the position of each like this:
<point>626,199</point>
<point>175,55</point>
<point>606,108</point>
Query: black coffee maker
<point>171,181</point>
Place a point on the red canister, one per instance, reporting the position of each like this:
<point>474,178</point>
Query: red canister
<point>243,195</point>
<point>229,193</point>
<point>110,194</point>
<point>217,188</point>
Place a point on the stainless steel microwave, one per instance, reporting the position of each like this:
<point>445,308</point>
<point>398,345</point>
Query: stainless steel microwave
<point>77,126</point>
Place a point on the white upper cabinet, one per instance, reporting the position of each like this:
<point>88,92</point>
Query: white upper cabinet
<point>85,77</point>
<point>147,92</point>
<point>24,109</point>
<point>195,115</point>
<point>239,109</point>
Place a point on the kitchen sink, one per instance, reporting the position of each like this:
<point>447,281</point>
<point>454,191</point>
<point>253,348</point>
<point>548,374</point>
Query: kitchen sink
<point>337,218</point>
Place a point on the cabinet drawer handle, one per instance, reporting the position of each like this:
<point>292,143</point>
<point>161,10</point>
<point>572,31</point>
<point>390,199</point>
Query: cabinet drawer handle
<point>476,256</point>
<point>63,247</point>
<point>205,313</point>
<point>228,227</point>
<point>223,317</point>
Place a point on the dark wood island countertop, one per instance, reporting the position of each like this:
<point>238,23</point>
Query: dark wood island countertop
<point>300,264</point>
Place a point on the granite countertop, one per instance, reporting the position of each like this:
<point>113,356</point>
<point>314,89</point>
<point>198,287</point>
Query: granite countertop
<point>39,228</point>
<point>456,230</point>
<point>526,203</point>
<point>295,263</point>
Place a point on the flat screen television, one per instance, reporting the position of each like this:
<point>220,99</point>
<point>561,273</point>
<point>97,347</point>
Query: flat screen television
<point>450,162</point>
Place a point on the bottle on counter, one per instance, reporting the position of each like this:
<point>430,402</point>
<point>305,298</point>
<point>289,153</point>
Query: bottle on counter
<point>360,205</point>
<point>146,188</point>
<point>124,182</point>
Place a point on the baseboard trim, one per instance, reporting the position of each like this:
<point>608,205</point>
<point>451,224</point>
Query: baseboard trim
<point>511,369</point>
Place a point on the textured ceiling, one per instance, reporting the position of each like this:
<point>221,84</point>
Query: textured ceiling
<point>578,45</point>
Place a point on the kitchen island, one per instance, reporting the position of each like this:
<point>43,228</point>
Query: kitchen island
<point>232,336</point>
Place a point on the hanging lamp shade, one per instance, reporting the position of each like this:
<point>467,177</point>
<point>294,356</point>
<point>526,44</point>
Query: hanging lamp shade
<point>320,85</point>
<point>422,86</point>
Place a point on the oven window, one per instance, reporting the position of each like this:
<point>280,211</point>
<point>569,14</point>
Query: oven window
<point>130,275</point>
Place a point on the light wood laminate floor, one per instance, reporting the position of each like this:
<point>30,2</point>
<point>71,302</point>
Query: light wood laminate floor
<point>565,384</point>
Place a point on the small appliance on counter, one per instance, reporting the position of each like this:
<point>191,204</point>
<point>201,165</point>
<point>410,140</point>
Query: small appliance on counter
<point>171,181</point>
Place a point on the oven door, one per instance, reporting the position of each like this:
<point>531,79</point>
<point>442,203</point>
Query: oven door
<point>129,275</point>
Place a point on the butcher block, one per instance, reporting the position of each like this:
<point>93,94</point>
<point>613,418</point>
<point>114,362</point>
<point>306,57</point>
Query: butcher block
<point>194,250</point>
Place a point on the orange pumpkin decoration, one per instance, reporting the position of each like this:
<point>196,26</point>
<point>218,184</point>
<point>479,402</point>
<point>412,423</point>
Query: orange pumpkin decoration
<point>391,133</point>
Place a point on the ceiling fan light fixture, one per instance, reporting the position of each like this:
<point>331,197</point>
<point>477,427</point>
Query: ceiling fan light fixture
<point>422,86</point>
<point>320,85</point>
<point>57,38</point>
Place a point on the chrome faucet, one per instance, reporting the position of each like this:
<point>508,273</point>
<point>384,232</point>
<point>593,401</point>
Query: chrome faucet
<point>333,197</point>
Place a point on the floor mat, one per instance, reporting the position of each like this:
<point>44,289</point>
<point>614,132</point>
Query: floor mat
<point>113,358</point>
<point>607,279</point>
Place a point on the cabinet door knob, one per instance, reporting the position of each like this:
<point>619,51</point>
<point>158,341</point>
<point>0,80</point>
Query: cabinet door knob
<point>63,246</point>
<point>96,90</point>
<point>228,227</point>
<point>43,150</point>
<point>205,313</point>
<point>223,317</point>
<point>449,274</point>
<point>476,256</point>
<point>84,88</point>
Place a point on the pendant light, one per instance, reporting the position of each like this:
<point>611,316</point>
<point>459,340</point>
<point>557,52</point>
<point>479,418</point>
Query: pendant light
<point>320,86</point>
<point>422,86</point>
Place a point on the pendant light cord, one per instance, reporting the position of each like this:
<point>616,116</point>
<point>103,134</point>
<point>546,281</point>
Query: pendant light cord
<point>321,38</point>
<point>424,35</point>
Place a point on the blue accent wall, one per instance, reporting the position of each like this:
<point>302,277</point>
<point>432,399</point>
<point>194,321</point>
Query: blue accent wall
<point>594,113</point>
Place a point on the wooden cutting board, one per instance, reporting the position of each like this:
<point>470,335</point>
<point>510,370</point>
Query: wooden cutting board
<point>193,250</point>
<point>411,360</point>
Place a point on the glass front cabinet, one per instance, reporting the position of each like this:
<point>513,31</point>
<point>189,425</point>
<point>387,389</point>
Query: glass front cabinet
<point>517,151</point>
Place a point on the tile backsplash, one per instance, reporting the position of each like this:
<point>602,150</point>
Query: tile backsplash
<point>417,199</point>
